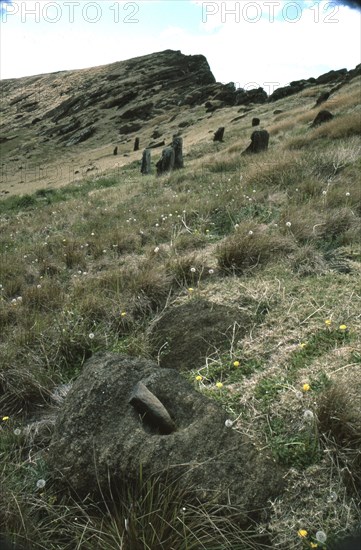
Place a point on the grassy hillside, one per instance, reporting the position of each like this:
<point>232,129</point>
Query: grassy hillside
<point>90,266</point>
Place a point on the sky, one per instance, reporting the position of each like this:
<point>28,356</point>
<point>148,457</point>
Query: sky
<point>252,43</point>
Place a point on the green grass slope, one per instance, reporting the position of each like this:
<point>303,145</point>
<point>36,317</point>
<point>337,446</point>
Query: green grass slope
<point>89,267</point>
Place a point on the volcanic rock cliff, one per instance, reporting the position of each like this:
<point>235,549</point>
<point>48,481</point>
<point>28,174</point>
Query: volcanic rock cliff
<point>59,127</point>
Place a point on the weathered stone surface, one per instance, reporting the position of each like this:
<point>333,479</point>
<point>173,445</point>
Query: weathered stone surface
<point>187,334</point>
<point>136,144</point>
<point>166,162</point>
<point>153,412</point>
<point>130,128</point>
<point>331,76</point>
<point>101,441</point>
<point>177,145</point>
<point>259,142</point>
<point>218,136</point>
<point>245,97</point>
<point>146,159</point>
<point>321,118</point>
<point>255,121</point>
<point>83,135</point>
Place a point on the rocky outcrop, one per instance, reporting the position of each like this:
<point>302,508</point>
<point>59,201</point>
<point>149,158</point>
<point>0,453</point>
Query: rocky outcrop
<point>104,437</point>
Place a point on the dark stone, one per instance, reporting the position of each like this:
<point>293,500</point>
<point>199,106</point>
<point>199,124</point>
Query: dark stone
<point>156,145</point>
<point>331,76</point>
<point>277,111</point>
<point>218,136</point>
<point>146,159</point>
<point>259,142</point>
<point>83,135</point>
<point>152,411</point>
<point>100,441</point>
<point>30,107</point>
<point>185,335</point>
<point>142,111</point>
<point>136,144</point>
<point>256,95</point>
<point>35,120</point>
<point>166,162</point>
<point>130,128</point>
<point>321,118</point>
<point>322,98</point>
<point>115,152</point>
<point>156,134</point>
<point>177,145</point>
<point>255,121</point>
<point>286,91</point>
<point>121,101</point>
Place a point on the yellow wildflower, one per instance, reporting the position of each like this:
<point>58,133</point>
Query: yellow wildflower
<point>219,385</point>
<point>236,364</point>
<point>313,545</point>
<point>199,378</point>
<point>302,533</point>
<point>5,418</point>
<point>190,289</point>
<point>123,313</point>
<point>302,345</point>
<point>342,327</point>
<point>306,387</point>
<point>328,322</point>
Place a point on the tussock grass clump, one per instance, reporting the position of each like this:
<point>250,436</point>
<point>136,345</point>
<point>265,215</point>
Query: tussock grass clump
<point>308,261</point>
<point>340,423</point>
<point>249,248</point>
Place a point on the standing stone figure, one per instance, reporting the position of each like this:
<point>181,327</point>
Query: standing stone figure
<point>259,142</point>
<point>136,144</point>
<point>218,136</point>
<point>178,152</point>
<point>166,162</point>
<point>255,121</point>
<point>146,169</point>
<point>115,152</point>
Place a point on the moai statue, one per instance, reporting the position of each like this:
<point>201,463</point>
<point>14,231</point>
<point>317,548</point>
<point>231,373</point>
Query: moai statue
<point>146,169</point>
<point>218,136</point>
<point>166,162</point>
<point>115,152</point>
<point>259,142</point>
<point>136,144</point>
<point>177,145</point>
<point>255,121</point>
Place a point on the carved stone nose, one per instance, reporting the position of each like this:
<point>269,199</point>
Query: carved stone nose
<point>152,410</point>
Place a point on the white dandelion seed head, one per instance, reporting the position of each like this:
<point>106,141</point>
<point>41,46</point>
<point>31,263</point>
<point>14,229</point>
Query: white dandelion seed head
<point>288,224</point>
<point>17,431</point>
<point>250,233</point>
<point>91,336</point>
<point>211,271</point>
<point>156,250</point>
<point>321,536</point>
<point>193,269</point>
<point>347,194</point>
<point>308,416</point>
<point>40,484</point>
<point>228,423</point>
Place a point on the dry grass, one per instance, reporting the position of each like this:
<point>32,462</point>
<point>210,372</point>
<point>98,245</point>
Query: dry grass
<point>118,251</point>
